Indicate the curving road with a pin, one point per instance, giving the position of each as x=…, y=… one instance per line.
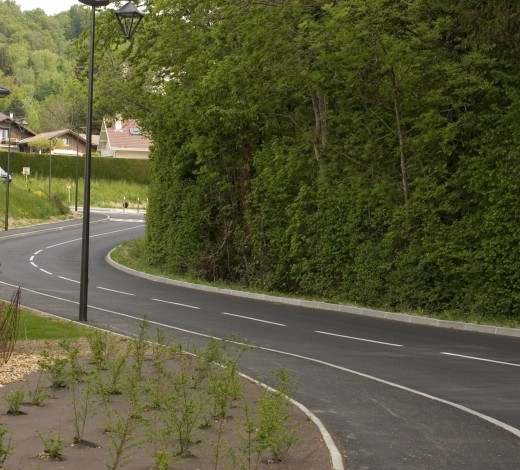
x=393, y=395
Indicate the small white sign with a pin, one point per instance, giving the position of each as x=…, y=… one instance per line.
x=26, y=171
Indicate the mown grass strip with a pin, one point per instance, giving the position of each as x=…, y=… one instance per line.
x=39, y=327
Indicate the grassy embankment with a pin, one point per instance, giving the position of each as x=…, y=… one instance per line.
x=31, y=203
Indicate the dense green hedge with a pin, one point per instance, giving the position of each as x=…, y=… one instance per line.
x=62, y=166
x=379, y=165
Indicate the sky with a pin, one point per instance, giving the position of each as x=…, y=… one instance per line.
x=51, y=7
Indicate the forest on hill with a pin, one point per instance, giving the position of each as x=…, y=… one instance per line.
x=364, y=151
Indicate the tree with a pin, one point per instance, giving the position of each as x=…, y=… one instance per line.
x=44, y=144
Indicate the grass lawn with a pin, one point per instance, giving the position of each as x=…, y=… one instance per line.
x=40, y=327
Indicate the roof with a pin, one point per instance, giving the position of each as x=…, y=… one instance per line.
x=50, y=135
x=60, y=133
x=95, y=138
x=19, y=122
x=126, y=135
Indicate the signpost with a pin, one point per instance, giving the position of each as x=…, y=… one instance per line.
x=26, y=171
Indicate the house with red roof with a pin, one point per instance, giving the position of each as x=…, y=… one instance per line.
x=123, y=139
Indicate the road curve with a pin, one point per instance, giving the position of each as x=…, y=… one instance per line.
x=369, y=380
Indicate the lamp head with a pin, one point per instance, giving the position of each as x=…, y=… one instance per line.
x=95, y=3
x=129, y=18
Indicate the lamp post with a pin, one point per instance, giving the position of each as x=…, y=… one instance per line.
x=129, y=18
x=3, y=93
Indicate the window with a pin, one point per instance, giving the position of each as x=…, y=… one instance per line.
x=66, y=141
x=4, y=136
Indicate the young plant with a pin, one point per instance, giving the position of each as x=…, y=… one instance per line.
x=102, y=345
x=37, y=395
x=52, y=446
x=82, y=404
x=207, y=358
x=183, y=406
x=218, y=443
x=138, y=347
x=273, y=433
x=121, y=427
x=5, y=448
x=9, y=325
x=110, y=382
x=14, y=401
x=56, y=366
x=220, y=394
x=248, y=445
x=74, y=371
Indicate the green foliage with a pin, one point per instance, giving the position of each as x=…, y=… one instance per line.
x=342, y=150
x=33, y=326
x=63, y=166
x=273, y=433
x=36, y=65
x=52, y=445
x=43, y=144
x=14, y=401
x=5, y=447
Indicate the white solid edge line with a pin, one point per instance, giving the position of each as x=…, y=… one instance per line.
x=335, y=455
x=489, y=419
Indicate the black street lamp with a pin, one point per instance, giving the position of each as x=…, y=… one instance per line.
x=3, y=93
x=129, y=17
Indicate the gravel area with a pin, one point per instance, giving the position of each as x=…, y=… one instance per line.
x=25, y=359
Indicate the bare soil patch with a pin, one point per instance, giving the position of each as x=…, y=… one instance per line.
x=147, y=398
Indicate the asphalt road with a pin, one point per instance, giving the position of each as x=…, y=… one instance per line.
x=392, y=395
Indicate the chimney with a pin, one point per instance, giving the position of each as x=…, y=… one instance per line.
x=119, y=125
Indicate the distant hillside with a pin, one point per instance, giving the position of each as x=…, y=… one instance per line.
x=37, y=63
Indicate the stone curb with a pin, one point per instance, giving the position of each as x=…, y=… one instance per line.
x=402, y=317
